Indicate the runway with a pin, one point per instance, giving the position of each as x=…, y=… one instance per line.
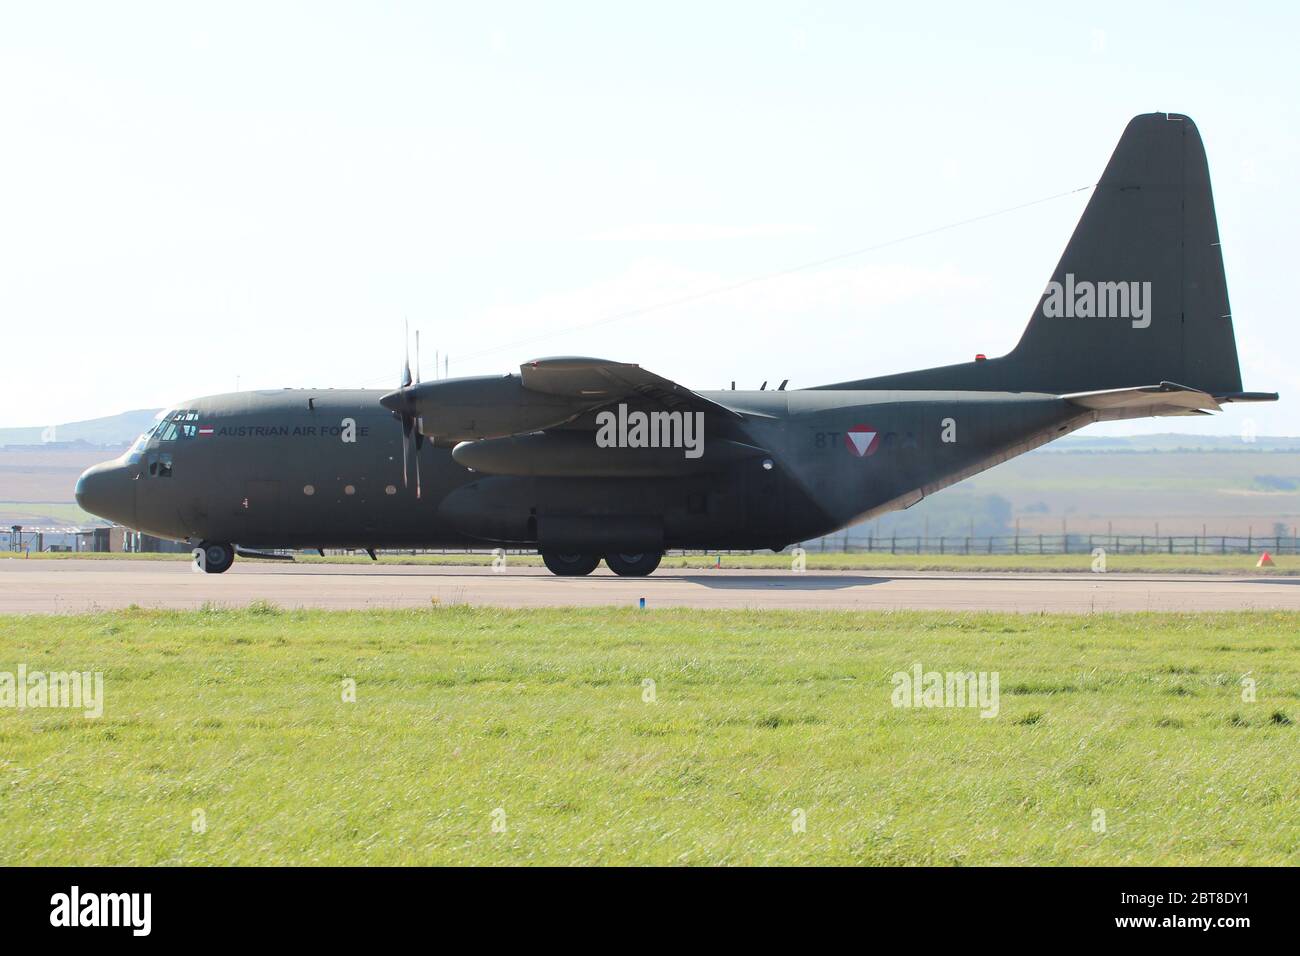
x=71, y=586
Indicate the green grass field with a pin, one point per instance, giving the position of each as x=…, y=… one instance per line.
x=461, y=712
x=1286, y=565
x=43, y=512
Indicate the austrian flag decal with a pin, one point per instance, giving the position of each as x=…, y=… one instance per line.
x=863, y=440
x=205, y=430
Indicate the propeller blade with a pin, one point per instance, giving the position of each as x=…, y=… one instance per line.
x=417, y=466
x=402, y=410
x=406, y=440
x=417, y=356
x=406, y=362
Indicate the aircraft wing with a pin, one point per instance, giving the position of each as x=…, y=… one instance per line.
x=547, y=393
x=600, y=381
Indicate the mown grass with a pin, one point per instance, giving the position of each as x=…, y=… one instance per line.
x=462, y=711
x=30, y=512
x=1285, y=565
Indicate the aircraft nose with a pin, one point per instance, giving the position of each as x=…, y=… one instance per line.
x=106, y=490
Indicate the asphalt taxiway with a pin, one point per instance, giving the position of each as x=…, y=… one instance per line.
x=70, y=586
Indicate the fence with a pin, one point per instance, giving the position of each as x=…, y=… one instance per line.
x=79, y=540
x=1058, y=544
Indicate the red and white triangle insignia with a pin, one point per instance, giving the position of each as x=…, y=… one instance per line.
x=863, y=440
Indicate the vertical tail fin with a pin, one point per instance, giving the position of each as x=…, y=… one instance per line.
x=1139, y=296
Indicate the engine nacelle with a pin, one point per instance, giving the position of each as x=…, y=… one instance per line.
x=487, y=406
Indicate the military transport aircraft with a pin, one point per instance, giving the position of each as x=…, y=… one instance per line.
x=586, y=459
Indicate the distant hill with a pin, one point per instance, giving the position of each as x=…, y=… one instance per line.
x=1183, y=484
x=1169, y=442
x=114, y=430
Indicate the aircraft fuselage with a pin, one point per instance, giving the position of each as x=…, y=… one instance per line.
x=323, y=468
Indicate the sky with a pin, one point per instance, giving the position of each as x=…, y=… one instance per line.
x=199, y=198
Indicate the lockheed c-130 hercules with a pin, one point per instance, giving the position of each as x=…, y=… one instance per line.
x=585, y=459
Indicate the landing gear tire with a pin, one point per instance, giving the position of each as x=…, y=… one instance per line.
x=633, y=565
x=570, y=565
x=216, y=556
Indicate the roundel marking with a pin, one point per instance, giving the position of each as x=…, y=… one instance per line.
x=862, y=440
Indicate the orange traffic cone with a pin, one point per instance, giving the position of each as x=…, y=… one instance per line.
x=1265, y=561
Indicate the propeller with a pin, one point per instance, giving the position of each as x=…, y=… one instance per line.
x=402, y=403
x=418, y=422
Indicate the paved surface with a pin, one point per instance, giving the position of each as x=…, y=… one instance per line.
x=70, y=586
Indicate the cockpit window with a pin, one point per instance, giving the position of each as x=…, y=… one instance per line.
x=182, y=423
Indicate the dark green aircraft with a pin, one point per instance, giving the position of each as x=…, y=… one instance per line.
x=586, y=459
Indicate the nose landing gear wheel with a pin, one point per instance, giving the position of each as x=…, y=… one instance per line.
x=216, y=556
x=570, y=565
x=633, y=565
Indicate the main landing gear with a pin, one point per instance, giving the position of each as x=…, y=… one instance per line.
x=635, y=565
x=216, y=556
x=570, y=565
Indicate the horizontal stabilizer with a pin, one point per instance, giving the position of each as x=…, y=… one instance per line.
x=1166, y=398
x=1247, y=397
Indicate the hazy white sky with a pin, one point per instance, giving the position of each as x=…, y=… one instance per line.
x=194, y=195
